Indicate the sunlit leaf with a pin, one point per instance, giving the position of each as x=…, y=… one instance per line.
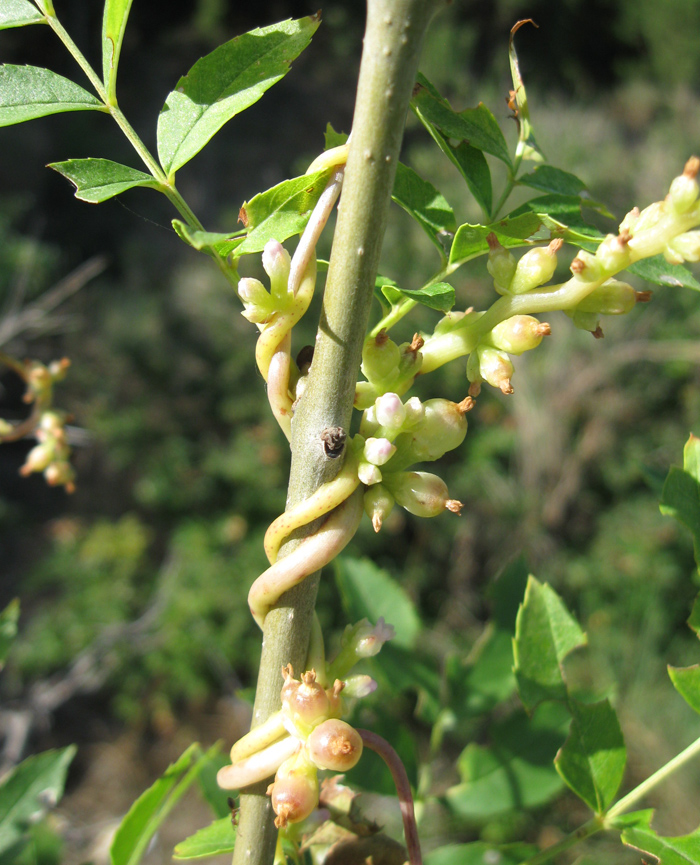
x=8, y=628
x=29, y=791
x=476, y=126
x=470, y=240
x=225, y=82
x=686, y=680
x=17, y=13
x=656, y=269
x=148, y=812
x=424, y=203
x=219, y=837
x=114, y=20
x=481, y=853
x=370, y=592
x=97, y=180
x=546, y=178
x=28, y=92
x=545, y=634
x=280, y=212
x=592, y=760
x=220, y=243
x=681, y=494
x=439, y=296
x=681, y=850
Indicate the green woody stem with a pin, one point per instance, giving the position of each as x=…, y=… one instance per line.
x=393, y=40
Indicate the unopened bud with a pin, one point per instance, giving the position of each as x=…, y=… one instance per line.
x=389, y=411
x=256, y=299
x=519, y=333
x=411, y=357
x=380, y=358
x=368, y=473
x=443, y=428
x=334, y=745
x=648, y=218
x=492, y=366
x=684, y=188
x=613, y=297
x=38, y=458
x=359, y=686
x=421, y=493
x=276, y=262
x=587, y=267
x=378, y=503
x=686, y=246
x=294, y=793
x=613, y=252
x=378, y=451
x=304, y=703
x=535, y=268
x=60, y=474
x=501, y=265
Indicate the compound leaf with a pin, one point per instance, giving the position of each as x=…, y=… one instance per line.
x=225, y=82
x=28, y=92
x=97, y=180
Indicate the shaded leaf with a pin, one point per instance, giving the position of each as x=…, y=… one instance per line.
x=424, y=203
x=225, y=82
x=546, y=178
x=686, y=680
x=402, y=670
x=28, y=92
x=506, y=592
x=29, y=791
x=681, y=495
x=17, y=13
x=8, y=628
x=476, y=126
x=220, y=243
x=486, y=678
x=218, y=837
x=656, y=269
x=481, y=853
x=516, y=772
x=97, y=180
x=681, y=850
x=545, y=634
x=148, y=812
x=472, y=165
x=694, y=617
x=370, y=592
x=282, y=211
x=592, y=760
x=470, y=240
x=215, y=796
x=114, y=20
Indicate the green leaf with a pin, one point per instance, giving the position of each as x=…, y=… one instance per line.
x=215, y=796
x=219, y=243
x=472, y=165
x=97, y=180
x=657, y=270
x=481, y=853
x=545, y=634
x=476, y=126
x=225, y=82
x=218, y=837
x=470, y=240
x=280, y=212
x=681, y=850
x=333, y=138
x=114, y=20
x=8, y=628
x=694, y=617
x=17, y=13
x=424, y=203
x=527, y=146
x=681, y=495
x=506, y=592
x=369, y=592
x=686, y=680
x=28, y=92
x=691, y=457
x=485, y=678
x=439, y=295
x=29, y=791
x=152, y=807
x=401, y=670
x=592, y=760
x=546, y=178
x=516, y=772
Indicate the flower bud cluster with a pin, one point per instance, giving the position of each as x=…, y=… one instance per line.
x=51, y=454
x=307, y=734
x=534, y=268
x=259, y=303
x=397, y=435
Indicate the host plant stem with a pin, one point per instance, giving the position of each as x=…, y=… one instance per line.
x=393, y=40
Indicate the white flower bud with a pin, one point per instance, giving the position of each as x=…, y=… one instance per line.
x=390, y=411
x=378, y=451
x=369, y=474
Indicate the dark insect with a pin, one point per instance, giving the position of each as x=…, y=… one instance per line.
x=234, y=811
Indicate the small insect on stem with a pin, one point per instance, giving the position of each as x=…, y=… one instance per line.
x=333, y=440
x=234, y=810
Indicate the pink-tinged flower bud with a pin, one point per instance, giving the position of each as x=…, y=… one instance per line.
x=535, y=268
x=378, y=502
x=359, y=686
x=256, y=299
x=685, y=246
x=276, y=263
x=380, y=358
x=519, y=333
x=613, y=297
x=38, y=458
x=390, y=412
x=501, y=265
x=421, y=493
x=490, y=365
x=369, y=640
x=368, y=473
x=294, y=793
x=304, y=703
x=334, y=745
x=684, y=189
x=378, y=450
x=613, y=252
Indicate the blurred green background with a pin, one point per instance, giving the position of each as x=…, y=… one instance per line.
x=143, y=573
